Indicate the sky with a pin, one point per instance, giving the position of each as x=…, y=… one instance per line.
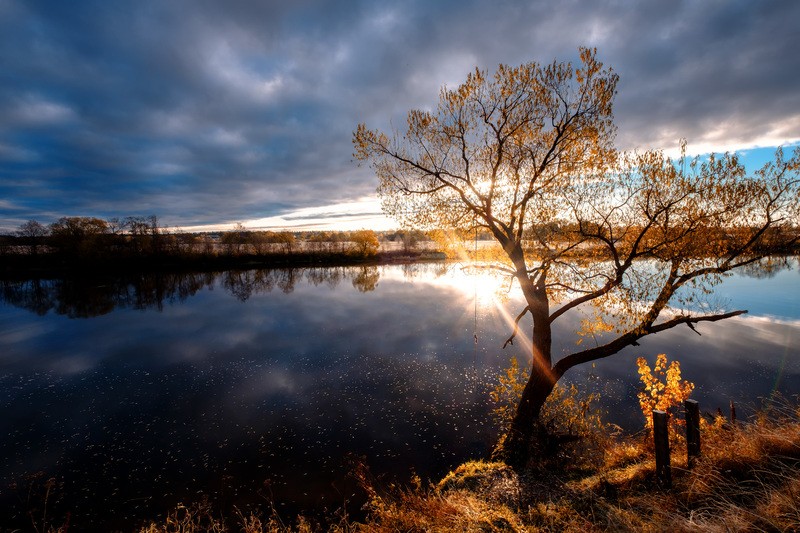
x=208, y=113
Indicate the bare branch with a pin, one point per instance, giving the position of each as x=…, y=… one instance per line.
x=630, y=338
x=510, y=340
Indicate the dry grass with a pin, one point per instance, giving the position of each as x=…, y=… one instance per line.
x=200, y=518
x=748, y=479
x=195, y=518
x=749, y=476
x=458, y=510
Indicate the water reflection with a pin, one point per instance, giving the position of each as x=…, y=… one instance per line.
x=366, y=279
x=91, y=297
x=218, y=382
x=768, y=267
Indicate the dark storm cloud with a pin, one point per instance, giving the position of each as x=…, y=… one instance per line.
x=210, y=112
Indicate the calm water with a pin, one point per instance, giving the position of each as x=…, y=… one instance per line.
x=259, y=386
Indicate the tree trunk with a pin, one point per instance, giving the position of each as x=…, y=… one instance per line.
x=525, y=429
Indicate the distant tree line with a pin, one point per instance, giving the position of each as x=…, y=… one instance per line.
x=80, y=240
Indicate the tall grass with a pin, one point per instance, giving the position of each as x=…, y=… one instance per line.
x=748, y=479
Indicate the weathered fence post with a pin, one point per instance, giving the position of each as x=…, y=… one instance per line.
x=661, y=438
x=692, y=431
x=733, y=413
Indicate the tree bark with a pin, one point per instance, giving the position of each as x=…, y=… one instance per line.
x=525, y=430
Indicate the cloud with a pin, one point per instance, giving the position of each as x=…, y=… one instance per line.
x=16, y=154
x=34, y=111
x=360, y=214
x=208, y=113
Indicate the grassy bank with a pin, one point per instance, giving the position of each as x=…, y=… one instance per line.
x=748, y=479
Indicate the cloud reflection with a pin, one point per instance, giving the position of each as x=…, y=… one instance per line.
x=201, y=389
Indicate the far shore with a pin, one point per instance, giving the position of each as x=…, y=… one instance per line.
x=51, y=265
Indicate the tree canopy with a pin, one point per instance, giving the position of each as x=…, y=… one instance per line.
x=633, y=239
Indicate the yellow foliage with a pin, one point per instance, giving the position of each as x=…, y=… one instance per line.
x=566, y=411
x=506, y=394
x=593, y=326
x=663, y=389
x=448, y=242
x=365, y=243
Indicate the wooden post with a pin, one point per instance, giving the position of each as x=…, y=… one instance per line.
x=692, y=431
x=661, y=438
x=733, y=413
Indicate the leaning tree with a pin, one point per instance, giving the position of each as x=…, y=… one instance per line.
x=634, y=240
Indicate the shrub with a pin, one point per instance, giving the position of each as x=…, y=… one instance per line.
x=663, y=389
x=571, y=420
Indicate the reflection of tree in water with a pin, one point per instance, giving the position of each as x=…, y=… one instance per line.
x=366, y=278
x=88, y=297
x=335, y=277
x=287, y=278
x=410, y=270
x=414, y=270
x=766, y=268
x=33, y=295
x=242, y=283
x=83, y=300
x=245, y=283
x=331, y=276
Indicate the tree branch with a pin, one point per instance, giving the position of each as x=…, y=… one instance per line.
x=510, y=340
x=630, y=338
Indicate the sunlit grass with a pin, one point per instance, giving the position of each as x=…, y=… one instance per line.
x=748, y=479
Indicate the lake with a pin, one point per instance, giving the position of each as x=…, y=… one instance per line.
x=256, y=387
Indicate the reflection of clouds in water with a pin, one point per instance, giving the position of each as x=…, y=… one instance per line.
x=73, y=364
x=424, y=311
x=741, y=359
x=18, y=333
x=772, y=330
x=282, y=386
x=738, y=341
x=268, y=382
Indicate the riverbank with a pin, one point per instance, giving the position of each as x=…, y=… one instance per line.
x=748, y=479
x=47, y=266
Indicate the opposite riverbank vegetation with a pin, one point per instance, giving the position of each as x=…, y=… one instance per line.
x=89, y=244
x=139, y=244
